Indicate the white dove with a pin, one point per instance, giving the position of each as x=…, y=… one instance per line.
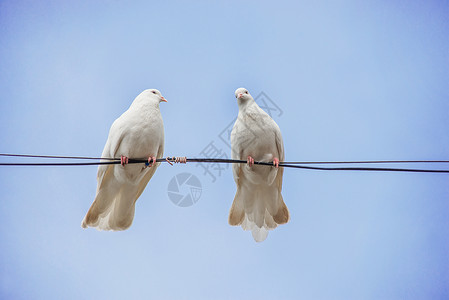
x=137, y=133
x=258, y=205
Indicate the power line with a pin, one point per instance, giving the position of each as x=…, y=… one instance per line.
x=230, y=160
x=57, y=156
x=367, y=162
x=368, y=169
x=298, y=165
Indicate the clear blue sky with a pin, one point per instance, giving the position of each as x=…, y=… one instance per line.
x=354, y=80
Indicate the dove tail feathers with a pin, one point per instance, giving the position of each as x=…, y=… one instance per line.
x=122, y=215
x=258, y=209
x=112, y=214
x=99, y=210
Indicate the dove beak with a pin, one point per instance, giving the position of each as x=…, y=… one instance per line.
x=239, y=96
x=163, y=99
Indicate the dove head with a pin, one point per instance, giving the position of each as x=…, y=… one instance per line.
x=242, y=94
x=155, y=94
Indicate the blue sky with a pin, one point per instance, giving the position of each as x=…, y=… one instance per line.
x=354, y=80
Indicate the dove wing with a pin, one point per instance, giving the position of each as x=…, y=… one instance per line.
x=107, y=185
x=143, y=183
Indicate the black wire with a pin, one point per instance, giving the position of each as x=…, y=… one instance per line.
x=57, y=156
x=60, y=164
x=366, y=162
x=230, y=160
x=220, y=160
x=367, y=169
x=289, y=165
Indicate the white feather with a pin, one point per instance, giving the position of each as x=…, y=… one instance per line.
x=137, y=133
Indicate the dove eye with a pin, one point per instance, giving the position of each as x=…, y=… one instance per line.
x=154, y=92
x=246, y=92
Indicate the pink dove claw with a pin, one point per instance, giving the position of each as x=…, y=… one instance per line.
x=276, y=162
x=123, y=160
x=250, y=161
x=151, y=161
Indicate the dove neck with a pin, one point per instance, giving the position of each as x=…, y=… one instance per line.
x=144, y=104
x=245, y=104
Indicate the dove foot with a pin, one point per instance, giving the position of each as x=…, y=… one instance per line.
x=250, y=161
x=151, y=161
x=123, y=160
x=276, y=162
